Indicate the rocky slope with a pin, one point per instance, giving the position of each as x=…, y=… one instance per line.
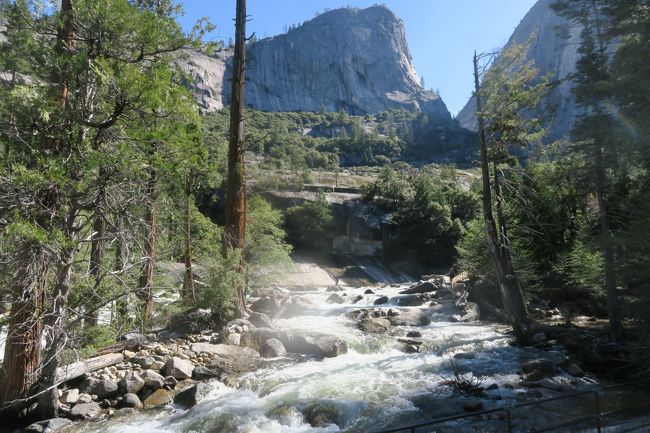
x=554, y=44
x=351, y=59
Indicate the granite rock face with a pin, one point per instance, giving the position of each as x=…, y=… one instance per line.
x=352, y=59
x=554, y=43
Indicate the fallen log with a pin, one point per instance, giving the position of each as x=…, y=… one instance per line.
x=78, y=369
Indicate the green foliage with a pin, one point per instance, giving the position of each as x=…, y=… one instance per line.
x=582, y=266
x=298, y=140
x=218, y=294
x=390, y=190
x=429, y=208
x=97, y=337
x=266, y=252
x=473, y=255
x=309, y=224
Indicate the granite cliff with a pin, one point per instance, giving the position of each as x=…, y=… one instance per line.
x=352, y=59
x=554, y=43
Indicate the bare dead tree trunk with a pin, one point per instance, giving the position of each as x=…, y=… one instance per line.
x=613, y=309
x=511, y=294
x=22, y=355
x=145, y=283
x=189, y=294
x=235, y=224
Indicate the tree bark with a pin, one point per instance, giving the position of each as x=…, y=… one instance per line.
x=613, y=310
x=98, y=243
x=122, y=304
x=235, y=219
x=48, y=400
x=145, y=283
x=22, y=355
x=189, y=294
x=67, y=43
x=511, y=294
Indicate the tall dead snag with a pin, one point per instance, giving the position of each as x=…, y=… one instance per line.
x=511, y=293
x=22, y=355
x=235, y=224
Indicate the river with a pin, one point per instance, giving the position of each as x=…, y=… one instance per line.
x=373, y=386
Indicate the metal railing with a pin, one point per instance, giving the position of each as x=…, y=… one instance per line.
x=600, y=420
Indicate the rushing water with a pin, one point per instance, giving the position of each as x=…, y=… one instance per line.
x=373, y=386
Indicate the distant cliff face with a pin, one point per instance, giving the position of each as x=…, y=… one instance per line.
x=553, y=50
x=351, y=59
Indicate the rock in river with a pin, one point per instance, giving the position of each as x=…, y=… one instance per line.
x=374, y=325
x=411, y=318
x=314, y=344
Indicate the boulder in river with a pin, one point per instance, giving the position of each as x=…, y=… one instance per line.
x=545, y=366
x=191, y=396
x=411, y=318
x=314, y=344
x=228, y=359
x=255, y=339
x=131, y=383
x=335, y=298
x=204, y=373
x=273, y=348
x=407, y=301
x=178, y=368
x=131, y=400
x=159, y=398
x=260, y=320
x=85, y=411
x=374, y=325
x=423, y=287
x=48, y=426
x=70, y=396
x=381, y=300
x=152, y=379
x=102, y=388
x=267, y=305
x=322, y=414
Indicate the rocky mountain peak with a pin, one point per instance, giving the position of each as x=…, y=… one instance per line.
x=352, y=59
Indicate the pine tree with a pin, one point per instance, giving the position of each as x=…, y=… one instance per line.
x=595, y=131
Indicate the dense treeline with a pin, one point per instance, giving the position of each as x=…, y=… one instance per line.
x=297, y=140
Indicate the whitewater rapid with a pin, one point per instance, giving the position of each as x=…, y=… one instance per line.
x=373, y=386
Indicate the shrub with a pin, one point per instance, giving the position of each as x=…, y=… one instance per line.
x=309, y=224
x=219, y=291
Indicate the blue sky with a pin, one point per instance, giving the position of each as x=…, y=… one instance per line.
x=442, y=34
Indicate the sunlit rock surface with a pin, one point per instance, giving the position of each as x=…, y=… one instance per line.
x=351, y=59
x=553, y=48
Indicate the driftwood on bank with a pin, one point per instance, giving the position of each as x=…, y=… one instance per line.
x=78, y=369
